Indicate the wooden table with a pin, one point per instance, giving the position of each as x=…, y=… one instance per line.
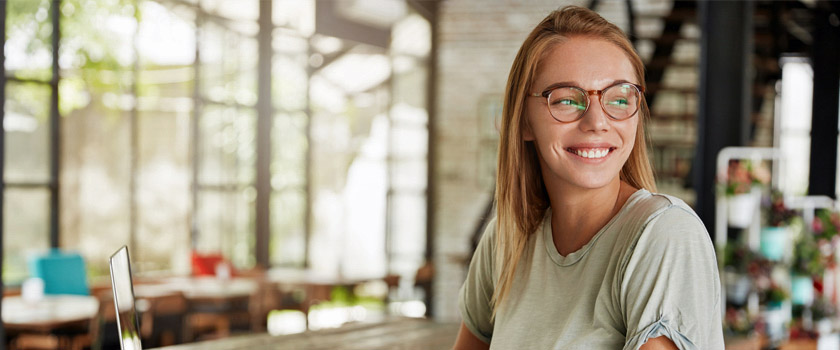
x=49, y=313
x=209, y=288
x=403, y=333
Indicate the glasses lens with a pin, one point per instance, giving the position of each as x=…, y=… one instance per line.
x=567, y=103
x=621, y=101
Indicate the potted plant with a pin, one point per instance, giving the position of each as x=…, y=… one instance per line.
x=776, y=312
x=738, y=262
x=775, y=233
x=741, y=202
x=807, y=264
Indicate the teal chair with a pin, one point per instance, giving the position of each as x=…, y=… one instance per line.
x=62, y=272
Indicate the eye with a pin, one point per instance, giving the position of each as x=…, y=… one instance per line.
x=619, y=102
x=569, y=102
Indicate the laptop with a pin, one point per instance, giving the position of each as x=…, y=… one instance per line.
x=127, y=318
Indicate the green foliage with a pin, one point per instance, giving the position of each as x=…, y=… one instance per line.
x=826, y=224
x=776, y=213
x=807, y=259
x=775, y=295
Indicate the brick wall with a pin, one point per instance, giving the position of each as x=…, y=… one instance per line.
x=478, y=40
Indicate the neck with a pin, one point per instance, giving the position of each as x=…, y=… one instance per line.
x=577, y=214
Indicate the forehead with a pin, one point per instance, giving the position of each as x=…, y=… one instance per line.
x=589, y=63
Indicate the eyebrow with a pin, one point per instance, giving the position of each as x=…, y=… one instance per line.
x=574, y=84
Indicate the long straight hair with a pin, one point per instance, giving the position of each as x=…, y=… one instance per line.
x=521, y=197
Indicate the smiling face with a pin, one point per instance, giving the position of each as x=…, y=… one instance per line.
x=589, y=152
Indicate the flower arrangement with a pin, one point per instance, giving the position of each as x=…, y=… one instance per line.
x=826, y=224
x=774, y=295
x=742, y=175
x=739, y=258
x=807, y=258
x=776, y=213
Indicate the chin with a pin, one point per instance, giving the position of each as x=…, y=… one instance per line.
x=593, y=183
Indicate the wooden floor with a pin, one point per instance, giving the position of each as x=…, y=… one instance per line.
x=406, y=334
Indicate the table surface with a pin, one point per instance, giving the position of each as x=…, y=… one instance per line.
x=415, y=334
x=48, y=313
x=200, y=287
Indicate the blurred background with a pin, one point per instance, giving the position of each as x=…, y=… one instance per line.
x=351, y=145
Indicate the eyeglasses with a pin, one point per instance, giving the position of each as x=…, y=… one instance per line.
x=568, y=103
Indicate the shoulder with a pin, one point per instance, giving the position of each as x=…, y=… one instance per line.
x=658, y=222
x=488, y=237
x=660, y=213
x=675, y=220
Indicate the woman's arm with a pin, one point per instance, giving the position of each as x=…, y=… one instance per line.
x=467, y=341
x=659, y=343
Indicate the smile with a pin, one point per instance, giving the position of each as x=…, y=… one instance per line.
x=591, y=153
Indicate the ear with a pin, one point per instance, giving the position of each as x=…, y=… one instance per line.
x=527, y=132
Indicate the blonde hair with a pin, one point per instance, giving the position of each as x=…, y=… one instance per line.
x=521, y=198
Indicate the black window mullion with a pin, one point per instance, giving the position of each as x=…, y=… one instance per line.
x=263, y=137
x=2, y=150
x=55, y=128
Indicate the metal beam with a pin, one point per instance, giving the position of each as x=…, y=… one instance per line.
x=329, y=22
x=195, y=131
x=2, y=151
x=55, y=129
x=431, y=158
x=134, y=148
x=264, y=119
x=724, y=93
x=825, y=58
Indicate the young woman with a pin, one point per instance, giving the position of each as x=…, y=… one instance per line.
x=582, y=254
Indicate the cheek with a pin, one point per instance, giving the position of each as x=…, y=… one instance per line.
x=533, y=127
x=628, y=132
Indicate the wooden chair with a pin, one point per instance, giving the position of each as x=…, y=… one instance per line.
x=163, y=323
x=89, y=337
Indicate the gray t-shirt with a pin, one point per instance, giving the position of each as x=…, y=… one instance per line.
x=650, y=271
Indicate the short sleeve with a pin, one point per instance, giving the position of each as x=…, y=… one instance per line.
x=671, y=285
x=475, y=295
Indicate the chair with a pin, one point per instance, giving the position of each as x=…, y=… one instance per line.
x=88, y=337
x=207, y=264
x=62, y=272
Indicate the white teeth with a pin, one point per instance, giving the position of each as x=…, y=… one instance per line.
x=595, y=153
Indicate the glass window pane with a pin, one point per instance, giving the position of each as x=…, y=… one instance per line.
x=410, y=87
x=227, y=145
x=248, y=10
x=226, y=224
x=290, y=83
x=26, y=224
x=288, y=235
x=409, y=142
x=407, y=232
x=95, y=177
x=228, y=66
x=409, y=174
x=289, y=42
x=298, y=15
x=26, y=123
x=29, y=39
x=166, y=37
x=412, y=36
x=163, y=197
x=288, y=168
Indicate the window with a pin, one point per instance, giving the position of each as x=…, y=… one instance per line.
x=158, y=110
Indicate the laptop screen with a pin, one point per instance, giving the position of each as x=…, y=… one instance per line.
x=127, y=323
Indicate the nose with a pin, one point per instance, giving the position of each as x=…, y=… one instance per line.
x=594, y=119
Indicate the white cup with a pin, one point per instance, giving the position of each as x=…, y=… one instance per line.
x=32, y=289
